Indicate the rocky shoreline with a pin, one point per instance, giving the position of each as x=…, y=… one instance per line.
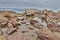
x=30, y=25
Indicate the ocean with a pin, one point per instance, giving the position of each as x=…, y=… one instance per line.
x=12, y=9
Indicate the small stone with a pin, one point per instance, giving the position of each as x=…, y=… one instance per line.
x=31, y=27
x=33, y=22
x=3, y=24
x=9, y=25
x=24, y=31
x=37, y=25
x=11, y=30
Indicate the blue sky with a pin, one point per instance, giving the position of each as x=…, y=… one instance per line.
x=50, y=4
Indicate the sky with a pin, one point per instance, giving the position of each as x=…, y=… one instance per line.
x=49, y=4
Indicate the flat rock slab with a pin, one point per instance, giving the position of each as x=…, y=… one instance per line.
x=3, y=38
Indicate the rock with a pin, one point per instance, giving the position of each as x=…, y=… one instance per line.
x=4, y=31
x=11, y=30
x=44, y=24
x=3, y=38
x=58, y=23
x=33, y=22
x=9, y=25
x=30, y=11
x=13, y=23
x=45, y=34
x=57, y=34
x=24, y=31
x=19, y=36
x=27, y=23
x=0, y=31
x=31, y=27
x=3, y=24
x=37, y=19
x=21, y=18
x=54, y=27
x=37, y=25
x=23, y=22
x=31, y=35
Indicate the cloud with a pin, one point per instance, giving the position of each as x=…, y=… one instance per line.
x=50, y=4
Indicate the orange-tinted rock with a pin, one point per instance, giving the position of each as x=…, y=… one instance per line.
x=45, y=34
x=3, y=38
x=54, y=27
x=3, y=24
x=31, y=27
x=33, y=22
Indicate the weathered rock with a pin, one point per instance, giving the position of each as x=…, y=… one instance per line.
x=0, y=31
x=27, y=24
x=31, y=27
x=3, y=38
x=24, y=31
x=31, y=35
x=33, y=22
x=37, y=25
x=57, y=34
x=4, y=24
x=9, y=25
x=54, y=27
x=45, y=34
x=30, y=11
x=4, y=31
x=11, y=30
x=44, y=24
x=37, y=19
x=19, y=36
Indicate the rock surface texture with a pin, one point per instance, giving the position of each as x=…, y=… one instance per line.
x=32, y=25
